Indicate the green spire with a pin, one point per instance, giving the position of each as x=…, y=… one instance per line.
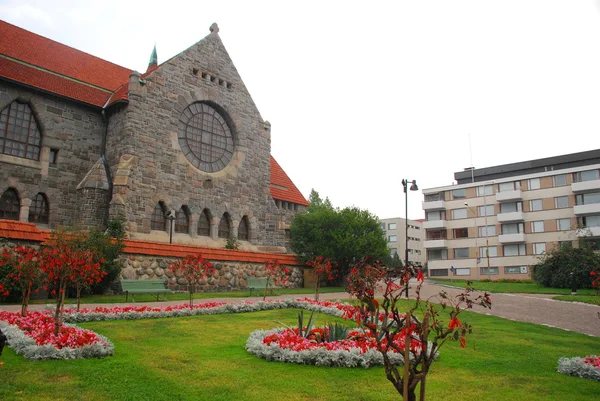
x=153, y=58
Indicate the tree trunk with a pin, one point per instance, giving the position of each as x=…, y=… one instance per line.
x=422, y=395
x=405, y=380
x=78, y=288
x=266, y=286
x=60, y=300
x=25, y=301
x=191, y=296
x=317, y=290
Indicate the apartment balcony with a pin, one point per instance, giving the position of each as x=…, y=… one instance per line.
x=586, y=186
x=510, y=217
x=592, y=208
x=433, y=224
x=435, y=243
x=511, y=238
x=588, y=232
x=434, y=205
x=509, y=196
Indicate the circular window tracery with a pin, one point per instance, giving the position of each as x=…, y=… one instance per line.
x=205, y=137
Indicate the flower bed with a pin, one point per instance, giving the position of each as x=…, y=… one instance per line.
x=588, y=367
x=33, y=337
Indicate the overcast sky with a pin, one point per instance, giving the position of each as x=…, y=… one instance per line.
x=361, y=94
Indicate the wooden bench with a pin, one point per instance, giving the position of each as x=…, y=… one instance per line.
x=258, y=283
x=152, y=287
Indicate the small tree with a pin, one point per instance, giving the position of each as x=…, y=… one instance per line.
x=560, y=265
x=194, y=268
x=407, y=333
x=277, y=273
x=63, y=263
x=323, y=269
x=23, y=274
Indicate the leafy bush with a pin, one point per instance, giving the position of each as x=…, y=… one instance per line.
x=556, y=266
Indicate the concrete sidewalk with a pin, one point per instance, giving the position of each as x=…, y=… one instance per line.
x=532, y=308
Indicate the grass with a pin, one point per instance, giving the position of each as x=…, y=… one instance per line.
x=184, y=296
x=588, y=299
x=514, y=288
x=203, y=358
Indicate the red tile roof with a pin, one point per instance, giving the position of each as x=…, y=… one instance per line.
x=282, y=187
x=18, y=230
x=36, y=61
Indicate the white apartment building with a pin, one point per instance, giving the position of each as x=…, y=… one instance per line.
x=395, y=234
x=496, y=222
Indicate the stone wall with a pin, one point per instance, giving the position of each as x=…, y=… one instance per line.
x=228, y=275
x=75, y=131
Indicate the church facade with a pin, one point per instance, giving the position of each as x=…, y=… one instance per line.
x=180, y=152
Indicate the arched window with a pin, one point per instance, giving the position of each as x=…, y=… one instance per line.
x=10, y=205
x=204, y=223
x=182, y=223
x=243, y=229
x=38, y=211
x=158, y=220
x=225, y=226
x=19, y=133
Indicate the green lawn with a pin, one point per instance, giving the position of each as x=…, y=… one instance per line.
x=588, y=299
x=203, y=358
x=519, y=288
x=184, y=296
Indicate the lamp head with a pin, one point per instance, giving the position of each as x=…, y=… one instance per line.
x=414, y=187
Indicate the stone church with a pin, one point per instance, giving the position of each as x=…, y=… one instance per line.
x=179, y=151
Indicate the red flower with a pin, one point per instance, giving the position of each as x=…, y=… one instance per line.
x=420, y=276
x=454, y=323
x=463, y=342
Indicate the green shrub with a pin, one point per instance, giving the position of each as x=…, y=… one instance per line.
x=555, y=267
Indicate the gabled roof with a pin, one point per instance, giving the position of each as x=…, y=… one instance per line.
x=282, y=187
x=41, y=63
x=57, y=68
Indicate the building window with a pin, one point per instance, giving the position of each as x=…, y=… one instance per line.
x=437, y=215
x=515, y=270
x=459, y=193
x=587, y=199
x=392, y=238
x=391, y=226
x=514, y=250
x=434, y=197
x=438, y=272
x=204, y=223
x=563, y=224
x=485, y=210
x=205, y=138
x=534, y=183
x=485, y=190
x=39, y=210
x=537, y=226
x=461, y=253
x=509, y=186
x=53, y=157
x=535, y=205
x=158, y=220
x=589, y=175
x=565, y=244
x=591, y=221
x=488, y=231
x=437, y=254
x=511, y=207
x=10, y=205
x=393, y=252
x=462, y=271
x=594, y=243
x=483, y=251
x=559, y=180
x=539, y=248
x=513, y=228
x=461, y=232
x=182, y=221
x=459, y=213
x=561, y=202
x=243, y=229
x=433, y=235
x=492, y=270
x=225, y=226
x=19, y=133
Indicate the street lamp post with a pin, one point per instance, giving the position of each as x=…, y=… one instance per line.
x=476, y=233
x=413, y=187
x=171, y=216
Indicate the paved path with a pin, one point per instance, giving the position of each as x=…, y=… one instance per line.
x=532, y=308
